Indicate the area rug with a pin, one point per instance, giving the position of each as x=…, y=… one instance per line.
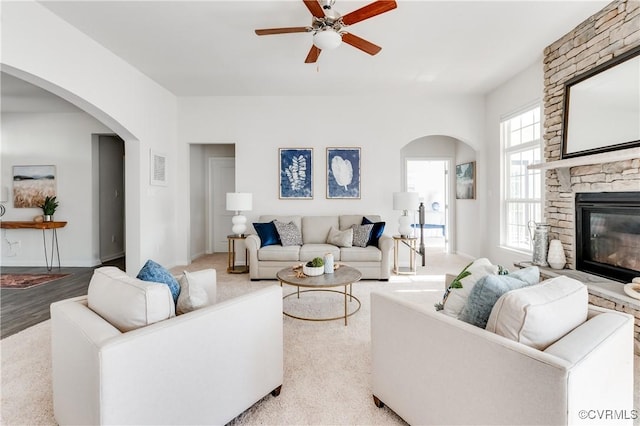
x=27, y=280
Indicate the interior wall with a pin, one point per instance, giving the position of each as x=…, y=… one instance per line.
x=42, y=49
x=63, y=140
x=379, y=126
x=525, y=89
x=197, y=189
x=467, y=236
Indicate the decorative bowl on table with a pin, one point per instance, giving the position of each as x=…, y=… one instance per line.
x=312, y=271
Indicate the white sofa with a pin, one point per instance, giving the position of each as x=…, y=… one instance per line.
x=431, y=368
x=373, y=262
x=203, y=367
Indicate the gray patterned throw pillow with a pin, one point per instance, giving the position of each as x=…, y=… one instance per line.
x=361, y=234
x=289, y=233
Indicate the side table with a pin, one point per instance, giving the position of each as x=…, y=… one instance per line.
x=411, y=243
x=231, y=267
x=53, y=225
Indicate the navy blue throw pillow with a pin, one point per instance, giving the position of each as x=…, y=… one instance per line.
x=268, y=234
x=376, y=232
x=154, y=272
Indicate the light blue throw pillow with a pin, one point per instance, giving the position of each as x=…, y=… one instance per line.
x=488, y=290
x=152, y=271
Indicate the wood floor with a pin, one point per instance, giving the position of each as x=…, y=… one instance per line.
x=22, y=308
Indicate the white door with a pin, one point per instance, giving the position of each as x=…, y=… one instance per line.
x=222, y=179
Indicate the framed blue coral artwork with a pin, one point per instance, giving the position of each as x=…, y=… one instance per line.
x=296, y=177
x=343, y=173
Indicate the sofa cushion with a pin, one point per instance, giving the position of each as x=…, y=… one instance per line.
x=310, y=251
x=360, y=254
x=376, y=231
x=286, y=219
x=315, y=229
x=540, y=314
x=192, y=292
x=278, y=252
x=289, y=233
x=361, y=234
x=488, y=290
x=348, y=220
x=152, y=271
x=340, y=238
x=128, y=303
x=456, y=298
x=268, y=233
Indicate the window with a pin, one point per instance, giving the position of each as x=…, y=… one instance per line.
x=522, y=187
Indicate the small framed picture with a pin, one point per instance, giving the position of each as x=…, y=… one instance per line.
x=296, y=173
x=466, y=181
x=158, y=169
x=32, y=184
x=343, y=173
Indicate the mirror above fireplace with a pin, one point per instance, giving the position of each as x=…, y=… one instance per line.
x=602, y=108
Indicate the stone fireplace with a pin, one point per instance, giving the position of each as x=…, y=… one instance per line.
x=607, y=34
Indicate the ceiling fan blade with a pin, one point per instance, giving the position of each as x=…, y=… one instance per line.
x=369, y=11
x=360, y=43
x=269, y=31
x=313, y=55
x=314, y=7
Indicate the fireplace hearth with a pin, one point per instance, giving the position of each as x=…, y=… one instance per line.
x=608, y=234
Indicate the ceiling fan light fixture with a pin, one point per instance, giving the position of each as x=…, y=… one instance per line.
x=327, y=39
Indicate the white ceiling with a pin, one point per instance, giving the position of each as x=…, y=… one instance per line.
x=204, y=48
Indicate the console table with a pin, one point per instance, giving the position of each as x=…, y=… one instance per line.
x=44, y=226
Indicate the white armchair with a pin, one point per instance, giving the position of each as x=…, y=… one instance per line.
x=434, y=369
x=202, y=367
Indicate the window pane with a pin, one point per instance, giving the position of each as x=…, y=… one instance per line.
x=522, y=187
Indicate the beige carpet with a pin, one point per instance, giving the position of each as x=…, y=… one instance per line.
x=327, y=365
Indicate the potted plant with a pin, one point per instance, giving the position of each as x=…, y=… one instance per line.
x=49, y=206
x=314, y=267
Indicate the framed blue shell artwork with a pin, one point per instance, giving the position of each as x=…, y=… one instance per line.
x=296, y=173
x=343, y=173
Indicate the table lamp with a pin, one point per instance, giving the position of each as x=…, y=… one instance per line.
x=239, y=202
x=405, y=201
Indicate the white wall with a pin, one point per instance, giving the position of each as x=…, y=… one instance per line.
x=63, y=140
x=469, y=237
x=522, y=90
x=42, y=49
x=380, y=126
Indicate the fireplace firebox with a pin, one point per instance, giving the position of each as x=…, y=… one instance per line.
x=608, y=234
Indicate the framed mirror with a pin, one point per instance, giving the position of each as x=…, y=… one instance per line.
x=602, y=107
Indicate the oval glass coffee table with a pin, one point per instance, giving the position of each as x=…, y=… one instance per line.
x=344, y=276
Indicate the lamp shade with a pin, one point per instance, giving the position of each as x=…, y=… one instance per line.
x=4, y=194
x=327, y=39
x=239, y=201
x=405, y=200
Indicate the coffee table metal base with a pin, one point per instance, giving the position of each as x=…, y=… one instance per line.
x=347, y=295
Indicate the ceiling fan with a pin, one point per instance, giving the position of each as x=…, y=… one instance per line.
x=329, y=28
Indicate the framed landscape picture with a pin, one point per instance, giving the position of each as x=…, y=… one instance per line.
x=466, y=181
x=32, y=184
x=296, y=177
x=343, y=173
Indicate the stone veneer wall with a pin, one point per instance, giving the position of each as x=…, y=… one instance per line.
x=607, y=34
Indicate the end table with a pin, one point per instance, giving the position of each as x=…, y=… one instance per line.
x=232, y=268
x=411, y=243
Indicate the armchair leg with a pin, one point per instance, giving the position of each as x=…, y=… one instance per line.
x=276, y=391
x=377, y=401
